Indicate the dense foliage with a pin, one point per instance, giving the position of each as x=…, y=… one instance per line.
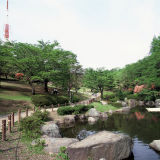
x=47, y=100
x=30, y=126
x=73, y=110
x=47, y=62
x=41, y=63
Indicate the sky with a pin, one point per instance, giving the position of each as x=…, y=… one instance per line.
x=102, y=33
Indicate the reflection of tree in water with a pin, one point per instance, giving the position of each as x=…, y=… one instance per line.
x=146, y=129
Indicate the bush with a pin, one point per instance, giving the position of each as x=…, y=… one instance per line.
x=30, y=126
x=62, y=155
x=41, y=100
x=148, y=95
x=62, y=99
x=82, y=108
x=118, y=105
x=115, y=99
x=76, y=110
x=120, y=95
x=75, y=98
x=132, y=96
x=109, y=95
x=65, y=110
x=41, y=115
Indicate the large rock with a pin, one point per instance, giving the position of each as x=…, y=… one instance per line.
x=103, y=115
x=132, y=103
x=92, y=119
x=102, y=145
x=155, y=145
x=157, y=103
x=124, y=104
x=53, y=144
x=150, y=103
x=93, y=113
x=69, y=119
x=51, y=129
x=141, y=103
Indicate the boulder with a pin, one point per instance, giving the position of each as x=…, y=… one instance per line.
x=124, y=104
x=157, y=103
x=132, y=103
x=150, y=103
x=126, y=109
x=53, y=144
x=104, y=102
x=102, y=145
x=92, y=119
x=141, y=103
x=126, y=100
x=93, y=113
x=103, y=115
x=69, y=119
x=51, y=129
x=110, y=111
x=155, y=145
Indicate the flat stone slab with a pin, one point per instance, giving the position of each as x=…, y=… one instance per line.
x=153, y=109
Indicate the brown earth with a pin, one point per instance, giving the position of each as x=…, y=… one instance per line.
x=15, y=149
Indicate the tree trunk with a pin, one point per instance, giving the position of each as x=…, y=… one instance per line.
x=101, y=90
x=33, y=88
x=6, y=76
x=46, y=85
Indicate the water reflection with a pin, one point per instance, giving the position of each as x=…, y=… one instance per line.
x=142, y=126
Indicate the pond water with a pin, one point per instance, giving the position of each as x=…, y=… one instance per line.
x=142, y=126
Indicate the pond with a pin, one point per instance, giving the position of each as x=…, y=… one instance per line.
x=142, y=126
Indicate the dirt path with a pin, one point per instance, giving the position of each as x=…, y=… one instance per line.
x=23, y=114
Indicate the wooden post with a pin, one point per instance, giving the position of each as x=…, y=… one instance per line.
x=19, y=115
x=26, y=112
x=52, y=107
x=58, y=105
x=9, y=123
x=34, y=109
x=39, y=107
x=12, y=119
x=3, y=130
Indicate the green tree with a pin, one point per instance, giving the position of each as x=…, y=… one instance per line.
x=97, y=79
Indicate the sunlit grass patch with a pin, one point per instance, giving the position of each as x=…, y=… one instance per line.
x=104, y=108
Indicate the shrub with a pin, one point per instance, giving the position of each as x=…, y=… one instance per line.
x=62, y=99
x=82, y=108
x=41, y=100
x=75, y=98
x=41, y=115
x=30, y=126
x=65, y=110
x=108, y=95
x=148, y=95
x=118, y=105
x=115, y=99
x=76, y=110
x=62, y=155
x=120, y=95
x=132, y=96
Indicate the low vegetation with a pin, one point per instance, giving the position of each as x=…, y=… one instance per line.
x=105, y=108
x=74, y=110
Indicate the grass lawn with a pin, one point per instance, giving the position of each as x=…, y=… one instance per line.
x=15, y=95
x=104, y=108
